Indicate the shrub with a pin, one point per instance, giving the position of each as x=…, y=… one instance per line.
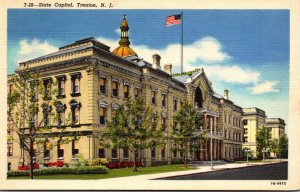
x=80, y=161
x=98, y=162
x=61, y=171
x=177, y=161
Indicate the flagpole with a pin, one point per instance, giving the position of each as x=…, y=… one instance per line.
x=181, y=42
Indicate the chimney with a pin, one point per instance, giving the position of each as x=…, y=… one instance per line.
x=168, y=68
x=156, y=61
x=226, y=92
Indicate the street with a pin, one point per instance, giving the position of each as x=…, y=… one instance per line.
x=276, y=171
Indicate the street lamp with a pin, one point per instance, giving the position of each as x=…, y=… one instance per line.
x=264, y=151
x=247, y=151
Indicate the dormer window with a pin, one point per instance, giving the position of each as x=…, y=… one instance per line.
x=75, y=84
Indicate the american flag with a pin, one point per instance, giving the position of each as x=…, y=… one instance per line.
x=173, y=20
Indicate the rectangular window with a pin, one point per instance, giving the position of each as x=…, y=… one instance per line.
x=75, y=116
x=115, y=88
x=75, y=147
x=125, y=153
x=164, y=123
x=9, y=150
x=181, y=151
x=137, y=92
x=102, y=118
x=163, y=153
x=60, y=150
x=153, y=97
x=47, y=150
x=114, y=154
x=101, y=153
x=126, y=91
x=76, y=86
x=61, y=88
x=245, y=139
x=153, y=153
x=47, y=89
x=175, y=125
x=102, y=85
x=61, y=119
x=175, y=102
x=164, y=100
x=174, y=151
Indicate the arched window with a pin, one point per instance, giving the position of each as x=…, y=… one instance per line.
x=198, y=98
x=102, y=112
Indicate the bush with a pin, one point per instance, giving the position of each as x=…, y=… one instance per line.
x=61, y=171
x=177, y=161
x=98, y=162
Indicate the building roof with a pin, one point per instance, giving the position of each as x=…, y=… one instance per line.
x=124, y=51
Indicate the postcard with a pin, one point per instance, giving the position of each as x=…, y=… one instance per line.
x=137, y=95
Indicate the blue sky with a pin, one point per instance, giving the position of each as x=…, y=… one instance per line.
x=245, y=51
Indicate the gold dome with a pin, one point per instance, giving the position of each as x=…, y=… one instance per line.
x=124, y=51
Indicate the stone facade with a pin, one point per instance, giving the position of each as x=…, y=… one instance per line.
x=94, y=81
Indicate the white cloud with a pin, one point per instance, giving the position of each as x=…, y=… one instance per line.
x=35, y=48
x=265, y=87
x=232, y=74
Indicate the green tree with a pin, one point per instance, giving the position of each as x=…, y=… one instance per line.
x=134, y=127
x=188, y=134
x=283, y=146
x=263, y=138
x=274, y=147
x=23, y=108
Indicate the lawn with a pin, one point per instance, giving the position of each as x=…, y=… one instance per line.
x=117, y=173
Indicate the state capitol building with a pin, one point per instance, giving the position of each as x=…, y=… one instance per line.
x=94, y=81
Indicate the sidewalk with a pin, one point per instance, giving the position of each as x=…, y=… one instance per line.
x=200, y=168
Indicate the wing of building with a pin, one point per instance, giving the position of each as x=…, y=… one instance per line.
x=93, y=81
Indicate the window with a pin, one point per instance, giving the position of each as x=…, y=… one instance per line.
x=34, y=91
x=60, y=150
x=9, y=150
x=75, y=108
x=102, y=85
x=181, y=151
x=153, y=97
x=101, y=152
x=174, y=151
x=175, y=102
x=115, y=88
x=125, y=153
x=75, y=147
x=164, y=100
x=46, y=114
x=60, y=110
x=75, y=84
x=175, y=126
x=245, y=139
x=102, y=115
x=163, y=153
x=164, y=123
x=126, y=90
x=47, y=88
x=61, y=82
x=114, y=154
x=137, y=92
x=47, y=150
x=153, y=153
